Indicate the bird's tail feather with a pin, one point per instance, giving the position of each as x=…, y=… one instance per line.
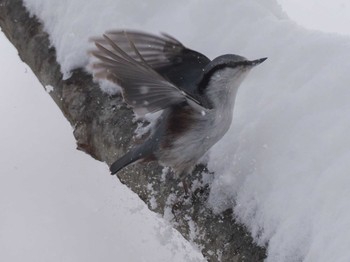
x=121, y=163
x=129, y=158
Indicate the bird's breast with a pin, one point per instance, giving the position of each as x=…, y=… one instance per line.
x=189, y=135
x=189, y=128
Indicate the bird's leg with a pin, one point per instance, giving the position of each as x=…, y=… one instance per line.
x=185, y=185
x=180, y=201
x=183, y=175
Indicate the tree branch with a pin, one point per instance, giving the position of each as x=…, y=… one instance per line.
x=102, y=128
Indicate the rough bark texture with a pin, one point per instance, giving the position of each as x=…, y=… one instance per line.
x=100, y=121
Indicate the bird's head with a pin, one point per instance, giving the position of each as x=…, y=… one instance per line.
x=225, y=73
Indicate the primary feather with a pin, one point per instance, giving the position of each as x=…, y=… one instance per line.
x=143, y=65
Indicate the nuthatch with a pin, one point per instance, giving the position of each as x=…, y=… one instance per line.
x=196, y=95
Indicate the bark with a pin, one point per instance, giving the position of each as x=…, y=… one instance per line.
x=103, y=128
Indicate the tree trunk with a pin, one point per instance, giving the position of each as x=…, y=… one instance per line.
x=103, y=128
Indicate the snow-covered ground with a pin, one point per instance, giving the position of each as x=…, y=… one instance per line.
x=283, y=165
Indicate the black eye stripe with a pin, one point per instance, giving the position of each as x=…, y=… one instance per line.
x=203, y=84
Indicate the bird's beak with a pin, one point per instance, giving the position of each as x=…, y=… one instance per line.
x=257, y=61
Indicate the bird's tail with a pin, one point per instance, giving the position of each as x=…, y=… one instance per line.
x=132, y=156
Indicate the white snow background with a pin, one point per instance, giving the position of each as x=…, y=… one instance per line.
x=283, y=165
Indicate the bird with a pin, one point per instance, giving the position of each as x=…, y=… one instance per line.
x=195, y=95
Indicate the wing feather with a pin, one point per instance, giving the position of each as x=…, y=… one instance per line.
x=130, y=65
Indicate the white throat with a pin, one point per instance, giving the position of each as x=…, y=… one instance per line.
x=223, y=86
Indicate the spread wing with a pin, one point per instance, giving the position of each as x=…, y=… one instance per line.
x=135, y=60
x=164, y=54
